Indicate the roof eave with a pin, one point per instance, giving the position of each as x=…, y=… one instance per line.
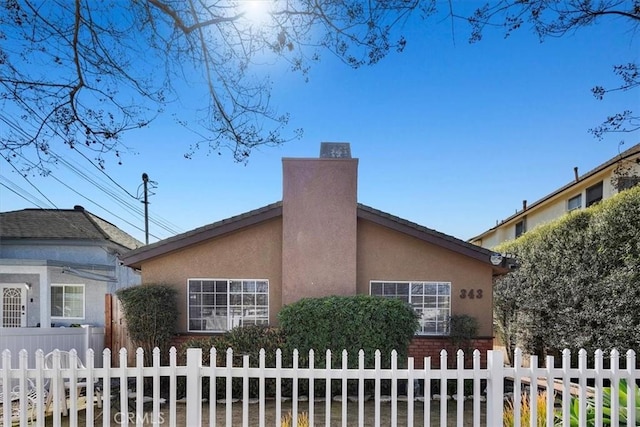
x=137, y=256
x=599, y=169
x=420, y=232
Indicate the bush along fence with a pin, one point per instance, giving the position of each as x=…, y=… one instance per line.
x=599, y=390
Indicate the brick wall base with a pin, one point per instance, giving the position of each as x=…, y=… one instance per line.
x=422, y=347
x=419, y=348
x=178, y=340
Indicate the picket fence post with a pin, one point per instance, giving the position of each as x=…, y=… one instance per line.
x=631, y=414
x=495, y=387
x=194, y=389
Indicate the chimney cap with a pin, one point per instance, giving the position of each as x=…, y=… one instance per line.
x=335, y=150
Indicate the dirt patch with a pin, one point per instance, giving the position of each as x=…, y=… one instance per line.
x=320, y=416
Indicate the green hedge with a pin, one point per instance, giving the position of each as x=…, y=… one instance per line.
x=151, y=312
x=348, y=323
x=576, y=285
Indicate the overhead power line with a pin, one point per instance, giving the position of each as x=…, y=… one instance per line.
x=27, y=179
x=93, y=179
x=125, y=202
x=52, y=176
x=21, y=192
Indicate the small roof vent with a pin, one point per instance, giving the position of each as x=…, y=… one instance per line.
x=78, y=208
x=335, y=150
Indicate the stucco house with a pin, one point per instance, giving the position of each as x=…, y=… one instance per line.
x=320, y=241
x=56, y=265
x=616, y=174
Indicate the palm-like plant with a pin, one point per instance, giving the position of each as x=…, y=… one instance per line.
x=623, y=399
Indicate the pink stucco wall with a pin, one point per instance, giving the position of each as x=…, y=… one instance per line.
x=319, y=228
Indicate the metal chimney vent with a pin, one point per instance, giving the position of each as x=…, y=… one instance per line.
x=335, y=150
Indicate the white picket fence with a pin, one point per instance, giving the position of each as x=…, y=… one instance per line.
x=28, y=385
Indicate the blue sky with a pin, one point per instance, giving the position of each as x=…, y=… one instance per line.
x=451, y=135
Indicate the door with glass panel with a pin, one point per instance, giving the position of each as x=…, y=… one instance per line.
x=13, y=307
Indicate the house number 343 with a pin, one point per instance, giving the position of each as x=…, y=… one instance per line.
x=471, y=293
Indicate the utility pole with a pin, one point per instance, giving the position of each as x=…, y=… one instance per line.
x=145, y=181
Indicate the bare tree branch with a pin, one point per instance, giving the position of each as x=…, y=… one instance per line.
x=82, y=73
x=555, y=18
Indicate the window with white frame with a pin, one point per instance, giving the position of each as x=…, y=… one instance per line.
x=221, y=304
x=574, y=202
x=430, y=300
x=67, y=301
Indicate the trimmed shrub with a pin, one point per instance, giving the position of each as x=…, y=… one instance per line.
x=151, y=313
x=351, y=323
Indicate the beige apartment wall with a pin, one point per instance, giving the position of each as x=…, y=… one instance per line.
x=251, y=253
x=608, y=188
x=493, y=238
x=385, y=254
x=558, y=206
x=553, y=208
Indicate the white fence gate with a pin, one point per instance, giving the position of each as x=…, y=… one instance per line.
x=25, y=389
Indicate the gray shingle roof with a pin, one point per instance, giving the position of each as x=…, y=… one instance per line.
x=62, y=224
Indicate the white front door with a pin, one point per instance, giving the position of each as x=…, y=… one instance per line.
x=13, y=305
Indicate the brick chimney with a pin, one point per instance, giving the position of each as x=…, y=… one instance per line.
x=319, y=224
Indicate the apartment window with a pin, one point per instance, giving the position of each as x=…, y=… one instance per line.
x=221, y=304
x=627, y=182
x=431, y=300
x=67, y=301
x=521, y=228
x=594, y=194
x=574, y=202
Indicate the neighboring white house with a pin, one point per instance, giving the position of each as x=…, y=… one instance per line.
x=616, y=174
x=56, y=265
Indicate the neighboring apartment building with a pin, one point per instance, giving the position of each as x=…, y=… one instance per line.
x=615, y=175
x=319, y=241
x=56, y=265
